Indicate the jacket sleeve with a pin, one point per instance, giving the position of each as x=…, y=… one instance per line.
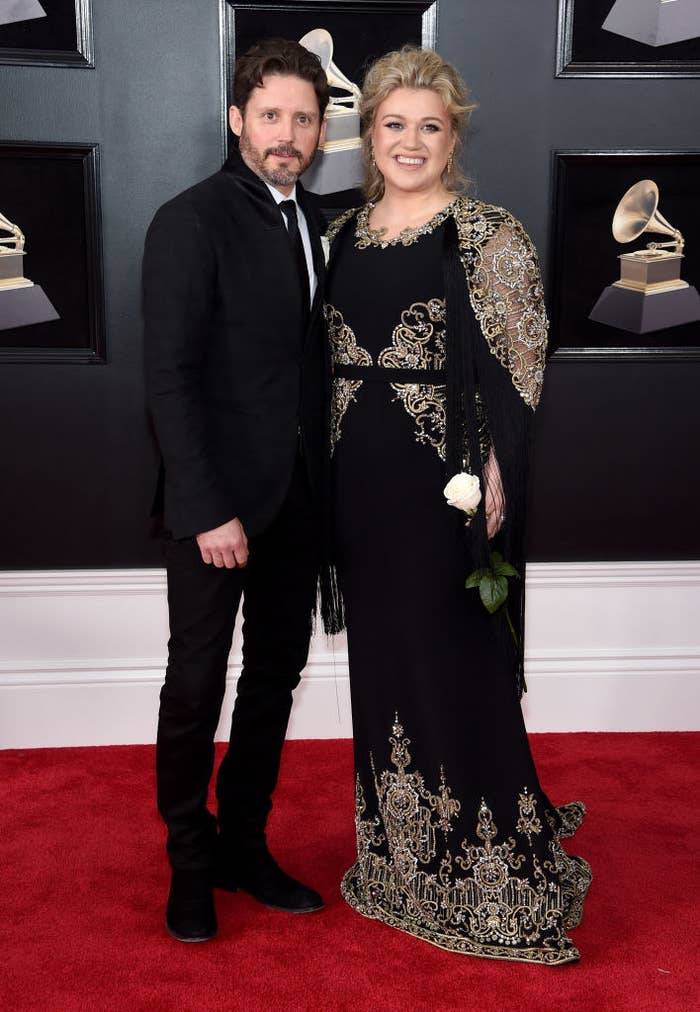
x=179, y=279
x=512, y=313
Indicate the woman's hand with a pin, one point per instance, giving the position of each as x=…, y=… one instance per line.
x=494, y=499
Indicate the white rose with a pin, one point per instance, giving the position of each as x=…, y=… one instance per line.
x=326, y=247
x=464, y=492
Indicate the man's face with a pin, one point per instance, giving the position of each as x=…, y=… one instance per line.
x=280, y=129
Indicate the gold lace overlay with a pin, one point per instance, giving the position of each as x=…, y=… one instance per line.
x=366, y=236
x=491, y=911
x=418, y=342
x=527, y=823
x=337, y=223
x=345, y=351
x=505, y=290
x=505, y=287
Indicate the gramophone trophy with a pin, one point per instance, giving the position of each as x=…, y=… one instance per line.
x=339, y=166
x=650, y=294
x=20, y=10
x=655, y=22
x=21, y=301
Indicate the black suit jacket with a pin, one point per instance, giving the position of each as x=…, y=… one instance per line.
x=233, y=383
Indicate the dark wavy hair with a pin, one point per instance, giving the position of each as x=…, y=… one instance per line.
x=278, y=56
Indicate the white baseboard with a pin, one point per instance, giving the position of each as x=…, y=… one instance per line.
x=610, y=647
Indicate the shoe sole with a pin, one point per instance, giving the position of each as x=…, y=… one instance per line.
x=270, y=906
x=187, y=938
x=283, y=910
x=288, y=910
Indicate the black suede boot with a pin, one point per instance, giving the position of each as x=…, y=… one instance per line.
x=255, y=871
x=190, y=915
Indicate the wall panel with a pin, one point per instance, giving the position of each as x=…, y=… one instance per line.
x=614, y=476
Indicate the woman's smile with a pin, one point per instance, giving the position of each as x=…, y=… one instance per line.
x=410, y=161
x=412, y=140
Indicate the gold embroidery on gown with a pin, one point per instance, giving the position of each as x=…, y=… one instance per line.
x=417, y=342
x=337, y=223
x=346, y=351
x=527, y=823
x=479, y=875
x=505, y=287
x=366, y=236
x=505, y=291
x=492, y=911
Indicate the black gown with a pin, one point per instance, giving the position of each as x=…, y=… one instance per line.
x=456, y=841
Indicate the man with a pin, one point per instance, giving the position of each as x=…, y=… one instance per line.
x=232, y=283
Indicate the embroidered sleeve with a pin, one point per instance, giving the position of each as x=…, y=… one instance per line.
x=510, y=261
x=506, y=292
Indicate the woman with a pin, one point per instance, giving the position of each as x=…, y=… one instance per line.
x=437, y=328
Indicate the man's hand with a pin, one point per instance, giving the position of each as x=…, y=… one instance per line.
x=225, y=546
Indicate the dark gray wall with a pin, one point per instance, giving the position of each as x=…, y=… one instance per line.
x=614, y=468
x=616, y=442
x=78, y=462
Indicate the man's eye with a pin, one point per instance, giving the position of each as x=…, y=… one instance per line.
x=303, y=120
x=268, y=115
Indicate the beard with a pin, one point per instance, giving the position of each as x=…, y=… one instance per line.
x=278, y=175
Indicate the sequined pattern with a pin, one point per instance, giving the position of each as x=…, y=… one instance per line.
x=366, y=236
x=346, y=351
x=506, y=291
x=337, y=223
x=505, y=287
x=425, y=403
x=418, y=342
x=528, y=823
x=508, y=905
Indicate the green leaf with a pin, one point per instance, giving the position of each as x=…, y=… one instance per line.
x=493, y=591
x=475, y=578
x=496, y=559
x=505, y=569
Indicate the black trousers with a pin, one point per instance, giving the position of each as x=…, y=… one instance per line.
x=278, y=587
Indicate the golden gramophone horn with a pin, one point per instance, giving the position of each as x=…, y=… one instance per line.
x=319, y=41
x=638, y=212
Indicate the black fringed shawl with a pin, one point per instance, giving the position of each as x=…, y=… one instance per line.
x=496, y=340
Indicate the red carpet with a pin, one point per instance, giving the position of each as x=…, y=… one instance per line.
x=84, y=882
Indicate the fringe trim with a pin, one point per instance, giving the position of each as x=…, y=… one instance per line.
x=330, y=603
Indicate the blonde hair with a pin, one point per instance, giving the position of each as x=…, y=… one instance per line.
x=410, y=67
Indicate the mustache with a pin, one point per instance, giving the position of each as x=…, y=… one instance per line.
x=284, y=151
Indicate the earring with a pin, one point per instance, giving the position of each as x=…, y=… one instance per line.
x=450, y=161
x=372, y=159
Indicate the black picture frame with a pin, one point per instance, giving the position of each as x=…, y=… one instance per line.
x=63, y=39
x=585, y=49
x=369, y=29
x=588, y=186
x=52, y=192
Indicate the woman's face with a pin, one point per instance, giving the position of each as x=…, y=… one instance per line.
x=412, y=140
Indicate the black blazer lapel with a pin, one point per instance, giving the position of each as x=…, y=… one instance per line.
x=263, y=201
x=255, y=189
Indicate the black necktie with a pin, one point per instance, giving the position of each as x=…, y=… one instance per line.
x=289, y=208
